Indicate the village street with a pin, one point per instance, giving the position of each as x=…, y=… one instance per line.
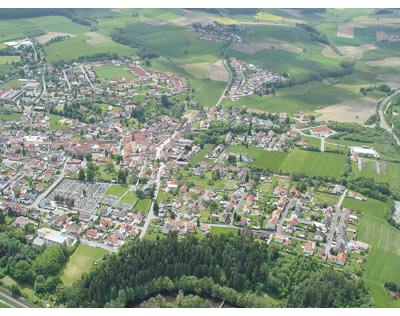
x=60, y=177
x=284, y=215
x=334, y=221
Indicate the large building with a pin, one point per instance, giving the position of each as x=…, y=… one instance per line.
x=50, y=236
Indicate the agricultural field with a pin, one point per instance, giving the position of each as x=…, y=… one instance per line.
x=384, y=240
x=74, y=47
x=270, y=159
x=9, y=59
x=252, y=151
x=304, y=97
x=370, y=207
x=309, y=162
x=80, y=262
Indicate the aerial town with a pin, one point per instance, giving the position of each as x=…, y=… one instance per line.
x=102, y=183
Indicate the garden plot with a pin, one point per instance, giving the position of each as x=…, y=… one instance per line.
x=86, y=194
x=345, y=30
x=252, y=48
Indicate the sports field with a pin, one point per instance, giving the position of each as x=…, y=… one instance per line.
x=309, y=162
x=80, y=262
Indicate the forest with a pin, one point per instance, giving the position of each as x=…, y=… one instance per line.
x=234, y=268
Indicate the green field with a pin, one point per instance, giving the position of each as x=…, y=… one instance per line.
x=80, y=262
x=117, y=190
x=55, y=122
x=129, y=198
x=222, y=230
x=270, y=159
x=9, y=59
x=252, y=151
x=111, y=72
x=370, y=207
x=309, y=162
x=391, y=175
x=304, y=97
x=326, y=198
x=143, y=205
x=384, y=239
x=13, y=116
x=199, y=156
x=74, y=47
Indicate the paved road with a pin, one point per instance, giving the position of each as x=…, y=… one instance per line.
x=15, y=301
x=384, y=124
x=322, y=144
x=66, y=79
x=333, y=222
x=284, y=215
x=230, y=75
x=51, y=187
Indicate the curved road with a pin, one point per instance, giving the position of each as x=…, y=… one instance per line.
x=230, y=74
x=384, y=124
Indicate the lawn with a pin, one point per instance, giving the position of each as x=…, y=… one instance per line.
x=129, y=198
x=117, y=190
x=199, y=157
x=326, y=198
x=55, y=122
x=143, y=205
x=80, y=262
x=222, y=230
x=13, y=116
x=111, y=72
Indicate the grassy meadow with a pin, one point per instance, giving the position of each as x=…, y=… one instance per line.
x=309, y=162
x=80, y=262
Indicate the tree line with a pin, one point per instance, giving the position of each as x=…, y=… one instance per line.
x=234, y=268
